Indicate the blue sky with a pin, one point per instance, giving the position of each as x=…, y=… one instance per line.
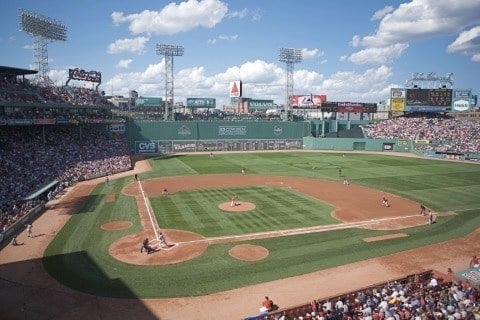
x=352, y=50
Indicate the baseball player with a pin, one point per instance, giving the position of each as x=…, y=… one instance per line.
x=29, y=230
x=423, y=210
x=385, y=202
x=233, y=201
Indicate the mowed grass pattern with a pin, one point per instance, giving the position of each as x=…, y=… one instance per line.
x=276, y=209
x=79, y=258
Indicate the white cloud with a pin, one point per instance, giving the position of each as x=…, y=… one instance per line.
x=381, y=13
x=135, y=45
x=468, y=43
x=149, y=82
x=28, y=47
x=422, y=19
x=237, y=14
x=223, y=37
x=355, y=41
x=58, y=76
x=351, y=86
x=261, y=80
x=118, y=18
x=382, y=55
x=124, y=63
x=175, y=18
x=310, y=54
x=256, y=15
x=227, y=37
x=343, y=58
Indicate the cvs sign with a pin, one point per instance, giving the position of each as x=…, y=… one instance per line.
x=145, y=147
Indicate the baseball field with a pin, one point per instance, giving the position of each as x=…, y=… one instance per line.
x=294, y=216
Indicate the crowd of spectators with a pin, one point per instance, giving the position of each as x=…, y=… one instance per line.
x=441, y=133
x=13, y=90
x=431, y=299
x=31, y=158
x=79, y=115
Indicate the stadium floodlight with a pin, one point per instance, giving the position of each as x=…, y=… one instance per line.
x=42, y=29
x=290, y=56
x=169, y=51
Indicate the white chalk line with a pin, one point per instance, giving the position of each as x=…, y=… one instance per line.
x=149, y=211
x=296, y=231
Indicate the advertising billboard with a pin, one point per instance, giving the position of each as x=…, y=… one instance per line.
x=80, y=74
x=355, y=107
x=148, y=102
x=201, y=102
x=236, y=89
x=145, y=147
x=308, y=101
x=260, y=104
x=397, y=93
x=461, y=100
x=397, y=104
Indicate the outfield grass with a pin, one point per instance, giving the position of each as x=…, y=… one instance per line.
x=79, y=257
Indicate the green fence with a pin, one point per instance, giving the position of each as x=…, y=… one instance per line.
x=158, y=137
x=352, y=144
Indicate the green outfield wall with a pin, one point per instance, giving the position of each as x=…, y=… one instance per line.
x=356, y=144
x=191, y=136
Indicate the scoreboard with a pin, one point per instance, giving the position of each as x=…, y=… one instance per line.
x=440, y=97
x=428, y=100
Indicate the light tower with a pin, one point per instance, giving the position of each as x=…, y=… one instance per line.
x=169, y=51
x=290, y=57
x=42, y=29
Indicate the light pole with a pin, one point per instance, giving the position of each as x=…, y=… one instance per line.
x=42, y=29
x=290, y=57
x=169, y=51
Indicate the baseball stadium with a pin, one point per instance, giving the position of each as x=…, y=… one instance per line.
x=326, y=210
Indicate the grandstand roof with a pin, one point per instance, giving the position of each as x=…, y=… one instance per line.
x=16, y=71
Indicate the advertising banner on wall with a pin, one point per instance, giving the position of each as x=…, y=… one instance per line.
x=145, y=147
x=461, y=100
x=397, y=104
x=350, y=107
x=308, y=101
x=201, y=102
x=43, y=121
x=116, y=127
x=260, y=104
x=397, y=93
x=148, y=102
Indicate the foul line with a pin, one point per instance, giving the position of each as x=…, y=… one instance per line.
x=289, y=232
x=147, y=205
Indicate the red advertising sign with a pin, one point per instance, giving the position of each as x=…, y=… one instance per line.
x=308, y=101
x=43, y=121
x=355, y=107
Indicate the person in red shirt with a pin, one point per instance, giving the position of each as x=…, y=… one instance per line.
x=266, y=305
x=474, y=262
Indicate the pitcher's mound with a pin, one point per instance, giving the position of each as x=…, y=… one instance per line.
x=241, y=206
x=248, y=252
